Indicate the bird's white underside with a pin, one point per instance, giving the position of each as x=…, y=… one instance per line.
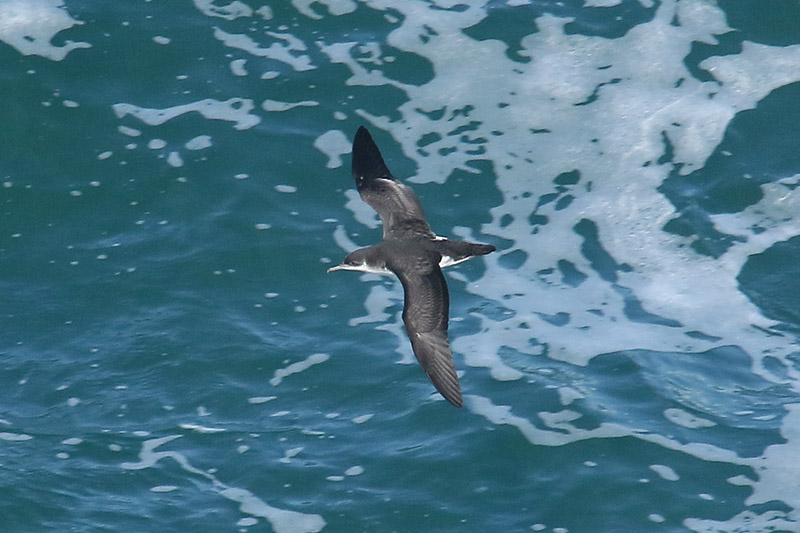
x=362, y=268
x=446, y=261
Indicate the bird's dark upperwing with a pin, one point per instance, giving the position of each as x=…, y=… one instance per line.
x=425, y=314
x=393, y=201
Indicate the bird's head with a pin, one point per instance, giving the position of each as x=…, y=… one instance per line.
x=349, y=264
x=362, y=260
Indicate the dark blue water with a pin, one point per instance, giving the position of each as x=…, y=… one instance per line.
x=174, y=183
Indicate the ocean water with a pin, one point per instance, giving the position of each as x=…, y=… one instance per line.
x=174, y=183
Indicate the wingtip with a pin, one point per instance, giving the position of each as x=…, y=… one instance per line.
x=452, y=395
x=449, y=387
x=456, y=402
x=367, y=159
x=362, y=142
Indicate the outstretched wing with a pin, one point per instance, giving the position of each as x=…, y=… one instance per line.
x=393, y=201
x=425, y=314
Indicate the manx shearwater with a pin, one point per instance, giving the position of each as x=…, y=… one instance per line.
x=415, y=254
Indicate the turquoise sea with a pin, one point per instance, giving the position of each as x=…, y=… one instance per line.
x=175, y=182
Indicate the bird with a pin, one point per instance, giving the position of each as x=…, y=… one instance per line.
x=416, y=255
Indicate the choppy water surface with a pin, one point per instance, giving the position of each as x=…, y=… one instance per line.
x=175, y=182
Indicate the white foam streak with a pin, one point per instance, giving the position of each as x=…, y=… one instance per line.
x=276, y=106
x=342, y=53
x=297, y=367
x=233, y=110
x=277, y=51
x=377, y=304
x=601, y=3
x=378, y=301
x=281, y=520
x=342, y=240
x=502, y=415
x=201, y=429
x=665, y=472
x=782, y=483
x=778, y=480
x=362, y=212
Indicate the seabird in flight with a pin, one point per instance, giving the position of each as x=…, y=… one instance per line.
x=415, y=254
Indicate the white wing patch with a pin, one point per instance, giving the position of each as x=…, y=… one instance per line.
x=447, y=261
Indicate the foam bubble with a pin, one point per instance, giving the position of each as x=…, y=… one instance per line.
x=260, y=399
x=12, y=437
x=201, y=142
x=130, y=132
x=665, y=472
x=362, y=418
x=174, y=160
x=354, y=471
x=238, y=67
x=288, y=454
x=334, y=144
